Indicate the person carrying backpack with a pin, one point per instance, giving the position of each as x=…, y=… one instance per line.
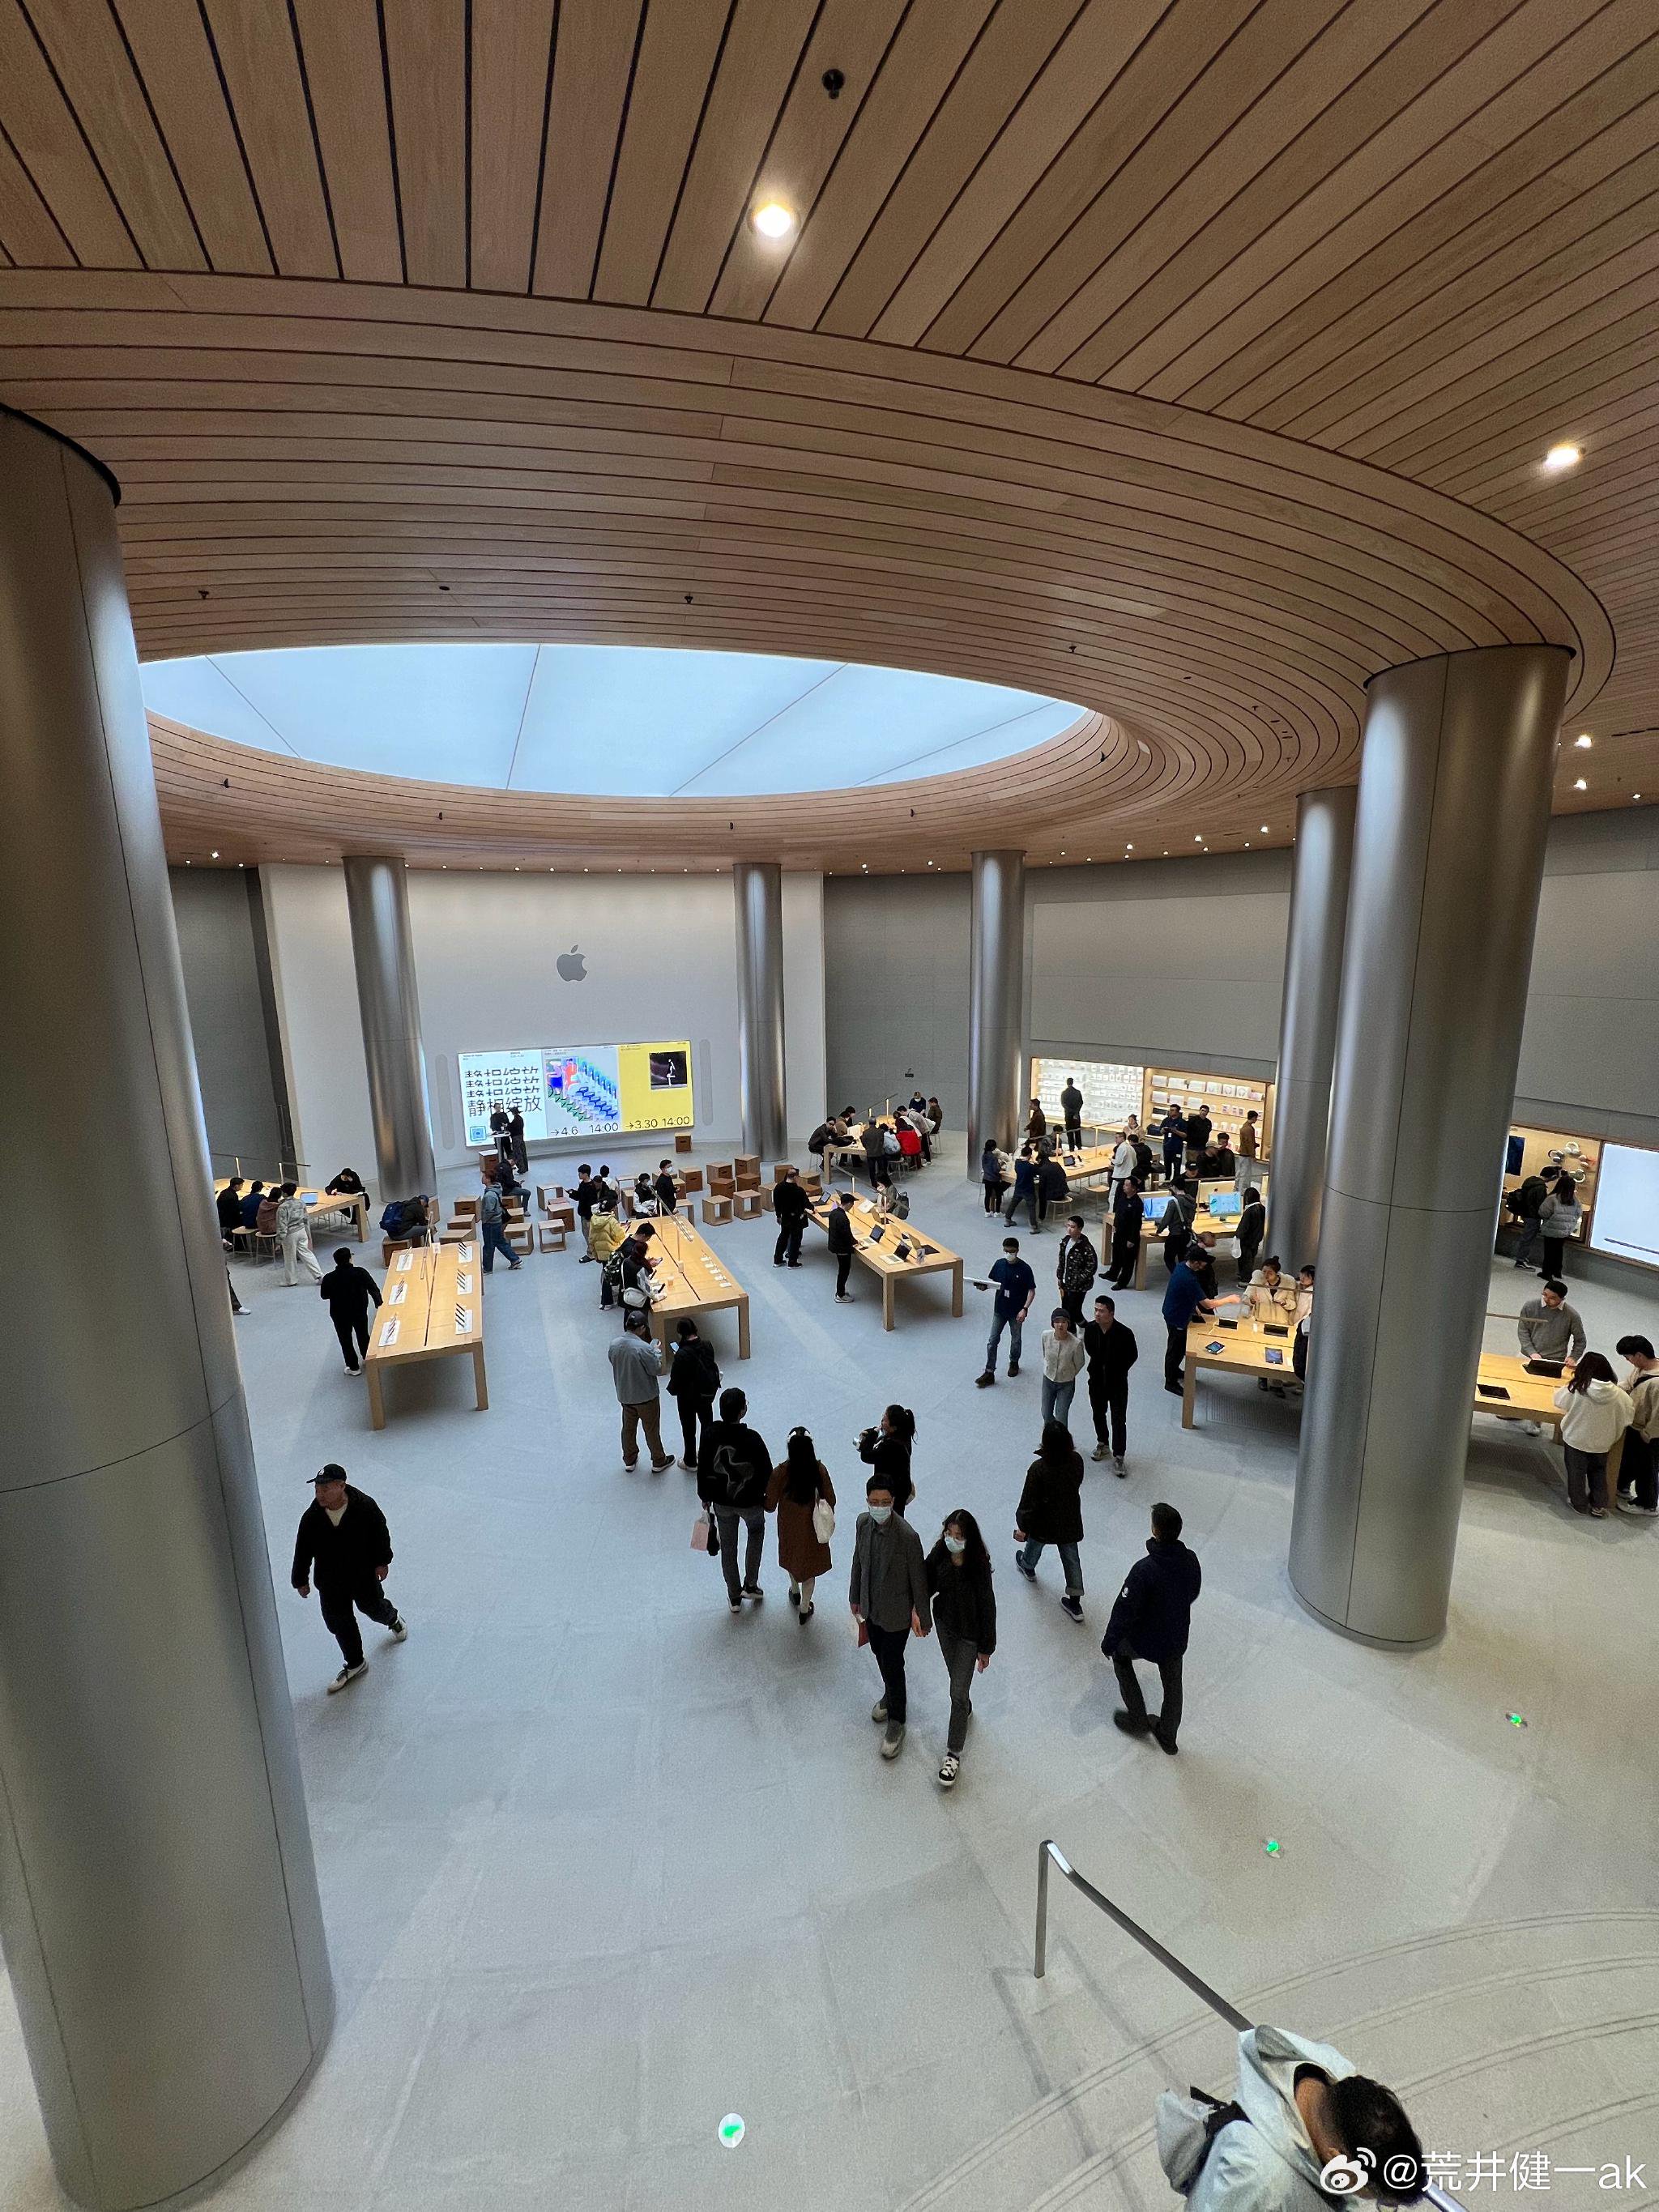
x=694, y=1382
x=734, y=1473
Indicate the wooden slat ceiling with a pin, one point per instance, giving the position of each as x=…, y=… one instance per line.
x=1191, y=359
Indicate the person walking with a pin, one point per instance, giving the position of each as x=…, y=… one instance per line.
x=1594, y=1413
x=1109, y=1347
x=1252, y=1228
x=1024, y=1191
x=586, y=1197
x=636, y=1373
x=734, y=1473
x=1638, y=1470
x=1249, y=1147
x=1180, y=1211
x=1062, y=1362
x=1151, y=1621
x=965, y=1615
x=694, y=1382
x=1128, y=1219
x=1076, y=1265
x=1299, y=2108
x=889, y=1598
x=1071, y=1110
x=351, y=1294
x=838, y=1235
x=792, y=1206
x=798, y=1488
x=1051, y=1512
x=492, y=1223
x=293, y=1234
x=1183, y=1302
x=344, y=1543
x=1015, y=1288
x=887, y=1448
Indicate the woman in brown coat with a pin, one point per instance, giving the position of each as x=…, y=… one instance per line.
x=794, y=1492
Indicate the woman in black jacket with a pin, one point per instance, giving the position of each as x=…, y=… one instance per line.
x=965, y=1615
x=694, y=1382
x=887, y=1450
x=1051, y=1512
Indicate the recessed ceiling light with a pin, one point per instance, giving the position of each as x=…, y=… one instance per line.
x=1584, y=741
x=1580, y=785
x=1197, y=840
x=1264, y=829
x=773, y=220
x=213, y=856
x=1562, y=457
x=1128, y=848
x=1636, y=795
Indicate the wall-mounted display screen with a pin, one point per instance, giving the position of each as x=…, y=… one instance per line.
x=1626, y=1219
x=579, y=1090
x=1111, y=1091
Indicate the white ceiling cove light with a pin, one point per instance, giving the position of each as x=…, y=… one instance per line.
x=1563, y=457
x=1584, y=741
x=773, y=220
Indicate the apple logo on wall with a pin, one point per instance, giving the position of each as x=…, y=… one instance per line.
x=571, y=966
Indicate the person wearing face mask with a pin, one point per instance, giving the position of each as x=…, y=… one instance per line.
x=889, y=1597
x=1051, y=1512
x=965, y=1615
x=887, y=1448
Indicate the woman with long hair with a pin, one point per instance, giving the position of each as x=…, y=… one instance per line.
x=887, y=1448
x=796, y=1489
x=965, y=1615
x=1594, y=1413
x=1051, y=1512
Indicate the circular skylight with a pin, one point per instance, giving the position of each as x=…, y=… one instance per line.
x=602, y=720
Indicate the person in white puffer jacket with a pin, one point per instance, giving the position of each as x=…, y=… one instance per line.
x=1594, y=1413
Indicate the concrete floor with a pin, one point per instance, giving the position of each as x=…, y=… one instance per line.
x=601, y=1863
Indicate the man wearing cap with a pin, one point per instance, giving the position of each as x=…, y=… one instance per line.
x=344, y=1541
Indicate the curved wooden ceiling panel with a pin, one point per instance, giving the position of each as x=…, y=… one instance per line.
x=1192, y=359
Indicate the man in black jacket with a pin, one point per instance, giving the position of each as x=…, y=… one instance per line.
x=229, y=1207
x=838, y=1233
x=586, y=1197
x=1128, y=1217
x=733, y=1470
x=791, y=1205
x=694, y=1382
x=1112, y=1351
x=1252, y=1227
x=351, y=1294
x=1071, y=1107
x=1075, y=1268
x=344, y=1542
x=1150, y=1621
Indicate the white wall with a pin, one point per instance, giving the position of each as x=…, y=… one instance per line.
x=662, y=962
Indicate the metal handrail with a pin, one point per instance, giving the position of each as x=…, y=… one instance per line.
x=1049, y=1850
x=1442, y=2200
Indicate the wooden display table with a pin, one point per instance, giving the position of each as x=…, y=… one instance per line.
x=690, y=1280
x=1244, y=1352
x=926, y=1256
x=350, y=1205
x=1204, y=1224
x=432, y=1305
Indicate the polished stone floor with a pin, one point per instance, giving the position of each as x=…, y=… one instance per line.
x=602, y=1864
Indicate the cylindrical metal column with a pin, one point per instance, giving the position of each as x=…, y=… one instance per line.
x=158, y=1902
x=1307, y=1020
x=757, y=886
x=389, y=1006
x=1449, y=853
x=996, y=1039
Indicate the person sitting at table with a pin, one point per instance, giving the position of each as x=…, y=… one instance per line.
x=1220, y=1162
x=644, y=1193
x=253, y=1199
x=347, y=1184
x=1269, y=1299
x=909, y=1141
x=229, y=1207
x=917, y=1103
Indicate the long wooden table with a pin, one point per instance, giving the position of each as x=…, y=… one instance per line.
x=352, y=1205
x=691, y=1279
x=924, y=1256
x=432, y=1305
x=1244, y=1352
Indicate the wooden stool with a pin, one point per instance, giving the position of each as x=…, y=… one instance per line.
x=562, y=1216
x=682, y=1140
x=458, y=1233
x=750, y=1205
x=550, y=1236
x=746, y=1166
x=518, y=1237
x=780, y=1168
x=391, y=1244
x=716, y=1209
x=690, y=1181
x=813, y=1186
x=548, y=1196
x=722, y=1179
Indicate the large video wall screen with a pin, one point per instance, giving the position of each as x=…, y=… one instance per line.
x=1626, y=1219
x=578, y=1089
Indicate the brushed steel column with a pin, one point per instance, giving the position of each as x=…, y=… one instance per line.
x=757, y=886
x=996, y=1027
x=1307, y=1020
x=1448, y=855
x=158, y=1902
x=389, y=1006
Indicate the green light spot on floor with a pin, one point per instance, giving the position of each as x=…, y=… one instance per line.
x=732, y=2130
x=1515, y=1720
x=1272, y=1847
